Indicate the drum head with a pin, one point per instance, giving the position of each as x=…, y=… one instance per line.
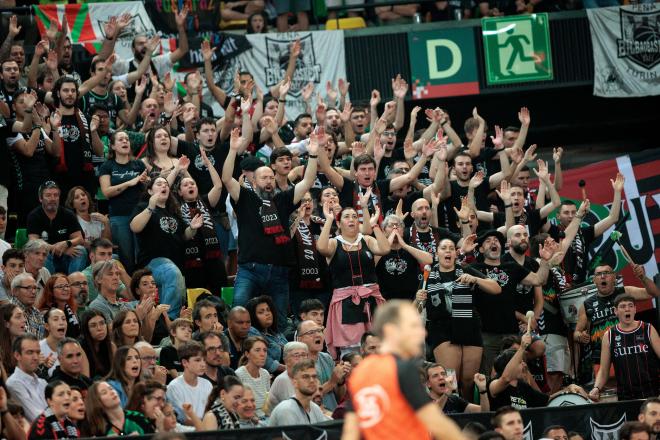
x=568, y=399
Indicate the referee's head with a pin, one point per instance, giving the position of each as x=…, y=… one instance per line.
x=399, y=326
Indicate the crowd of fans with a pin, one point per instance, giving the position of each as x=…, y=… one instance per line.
x=140, y=214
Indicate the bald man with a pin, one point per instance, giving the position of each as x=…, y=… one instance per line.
x=421, y=234
x=238, y=325
x=264, y=251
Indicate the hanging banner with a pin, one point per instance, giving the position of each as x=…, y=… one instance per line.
x=203, y=16
x=86, y=23
x=321, y=60
x=517, y=49
x=443, y=63
x=626, y=50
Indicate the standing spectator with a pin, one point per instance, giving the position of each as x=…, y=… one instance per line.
x=299, y=409
x=54, y=423
x=58, y=227
x=24, y=385
x=298, y=7
x=190, y=387
x=23, y=295
x=222, y=403
x=257, y=23
x=282, y=387
x=121, y=178
x=125, y=372
x=251, y=371
x=57, y=294
x=263, y=318
x=238, y=327
x=633, y=347
x=161, y=234
x=508, y=422
x=71, y=365
x=97, y=343
x=106, y=275
x=263, y=241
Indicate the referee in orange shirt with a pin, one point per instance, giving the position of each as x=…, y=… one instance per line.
x=388, y=400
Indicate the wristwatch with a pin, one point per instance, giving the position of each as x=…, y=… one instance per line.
x=69, y=243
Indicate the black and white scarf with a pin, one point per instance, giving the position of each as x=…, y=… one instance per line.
x=271, y=222
x=206, y=237
x=48, y=426
x=223, y=417
x=307, y=263
x=430, y=247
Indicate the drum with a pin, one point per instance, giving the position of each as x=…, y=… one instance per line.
x=568, y=399
x=571, y=300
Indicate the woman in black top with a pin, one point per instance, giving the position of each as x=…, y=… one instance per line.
x=54, y=423
x=96, y=341
x=453, y=325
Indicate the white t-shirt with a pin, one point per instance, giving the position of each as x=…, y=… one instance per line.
x=92, y=229
x=260, y=386
x=289, y=412
x=179, y=392
x=281, y=389
x=45, y=352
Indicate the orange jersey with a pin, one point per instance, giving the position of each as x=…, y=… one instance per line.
x=385, y=393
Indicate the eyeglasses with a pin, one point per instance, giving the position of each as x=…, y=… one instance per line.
x=314, y=331
x=62, y=286
x=305, y=200
x=215, y=349
x=149, y=358
x=309, y=377
x=604, y=273
x=32, y=288
x=299, y=355
x=79, y=284
x=389, y=133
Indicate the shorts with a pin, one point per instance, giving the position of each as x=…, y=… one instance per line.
x=438, y=332
x=286, y=6
x=557, y=354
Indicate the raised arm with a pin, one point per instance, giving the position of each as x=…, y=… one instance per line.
x=113, y=29
x=574, y=226
x=557, y=154
x=373, y=107
x=475, y=144
x=310, y=170
x=207, y=53
x=509, y=374
x=152, y=45
x=544, y=179
x=399, y=89
x=13, y=30
x=440, y=182
x=182, y=43
x=613, y=217
x=428, y=151
x=39, y=51
x=232, y=185
x=524, y=118
x=325, y=245
x=547, y=253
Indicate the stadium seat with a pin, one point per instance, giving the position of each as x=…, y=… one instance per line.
x=345, y=23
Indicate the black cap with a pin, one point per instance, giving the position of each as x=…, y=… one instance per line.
x=47, y=185
x=251, y=163
x=491, y=233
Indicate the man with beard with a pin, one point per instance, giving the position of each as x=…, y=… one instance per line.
x=576, y=263
x=79, y=289
x=497, y=312
x=66, y=66
x=596, y=314
x=216, y=355
x=75, y=165
x=649, y=414
x=149, y=358
x=633, y=347
x=59, y=228
x=10, y=74
x=264, y=250
x=526, y=297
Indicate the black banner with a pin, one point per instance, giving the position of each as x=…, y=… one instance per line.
x=600, y=421
x=203, y=15
x=227, y=47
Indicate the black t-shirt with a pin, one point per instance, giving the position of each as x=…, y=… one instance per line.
x=162, y=236
x=398, y=275
x=458, y=191
x=59, y=229
x=521, y=396
x=8, y=97
x=524, y=295
x=254, y=246
x=113, y=103
x=348, y=197
x=455, y=404
x=197, y=169
x=498, y=311
x=531, y=219
x=576, y=261
x=123, y=203
x=31, y=171
x=388, y=205
x=169, y=358
x=385, y=165
x=551, y=322
x=76, y=146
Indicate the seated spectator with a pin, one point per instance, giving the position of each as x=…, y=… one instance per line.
x=216, y=356
x=23, y=384
x=247, y=410
x=23, y=294
x=72, y=364
x=442, y=393
x=126, y=328
x=263, y=318
x=101, y=250
x=400, y=14
x=238, y=326
x=150, y=369
x=555, y=432
x=634, y=431
x=106, y=275
x=155, y=325
x=190, y=387
x=76, y=411
x=12, y=325
x=56, y=331
x=508, y=422
x=205, y=317
x=572, y=435
x=125, y=372
x=13, y=263
x=220, y=411
x=79, y=290
x=252, y=373
x=649, y=414
x=300, y=410
x=106, y=416
x=57, y=294
x=147, y=398
x=97, y=343
x=282, y=387
x=93, y=224
x=369, y=344
x=161, y=250
x=54, y=422
x=180, y=333
x=35, y=252
x=60, y=229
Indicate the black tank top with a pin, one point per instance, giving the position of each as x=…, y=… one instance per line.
x=636, y=365
x=352, y=268
x=600, y=314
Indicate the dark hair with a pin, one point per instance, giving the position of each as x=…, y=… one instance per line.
x=141, y=390
x=117, y=332
x=363, y=159
x=630, y=428
x=502, y=360
x=204, y=121
x=475, y=428
x=171, y=205
x=534, y=243
x=17, y=345
x=71, y=195
x=202, y=337
x=250, y=29
x=3, y=211
x=137, y=277
x=305, y=364
x=226, y=384
x=365, y=335
x=95, y=62
x=58, y=86
x=299, y=118
x=113, y=137
x=190, y=349
x=151, y=137
x=99, y=360
x=552, y=428
x=496, y=421
x=512, y=128
x=99, y=106
x=348, y=357
x=6, y=310
x=574, y=434
x=567, y=202
x=99, y=243
x=280, y=152
x=179, y=322
x=648, y=402
x=307, y=305
x=624, y=297
x=251, y=307
x=50, y=388
x=10, y=253
x=118, y=364
x=247, y=345
x=462, y=153
x=509, y=341
x=199, y=305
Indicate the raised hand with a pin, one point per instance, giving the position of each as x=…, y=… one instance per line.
x=343, y=86
x=328, y=212
x=269, y=124
x=498, y=139
x=141, y=85
x=94, y=123
x=307, y=91
x=295, y=48
x=110, y=28
x=170, y=103
x=464, y=213
x=399, y=211
x=152, y=44
x=168, y=82
x=345, y=115
x=504, y=192
x=365, y=198
x=399, y=87
x=313, y=146
x=207, y=50
x=246, y=103
x=516, y=154
x=184, y=163
x=196, y=222
x=390, y=107
x=358, y=149
x=122, y=22
x=547, y=249
x=380, y=125
x=51, y=60
x=618, y=183
x=476, y=180
x=530, y=154
x=413, y=113
x=409, y=151
x=181, y=16
x=375, y=98
x=584, y=208
x=236, y=140
x=557, y=153
x=331, y=93
x=469, y=243
x=430, y=147
x=285, y=86
x=475, y=115
x=379, y=149
x=639, y=271
x=41, y=48
x=523, y=116
x=373, y=221
x=542, y=170
x=14, y=28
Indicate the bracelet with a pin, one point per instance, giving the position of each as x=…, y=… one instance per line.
x=28, y=111
x=38, y=127
x=483, y=392
x=281, y=100
x=151, y=210
x=313, y=156
x=508, y=206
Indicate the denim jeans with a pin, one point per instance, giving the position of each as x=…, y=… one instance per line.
x=254, y=279
x=67, y=264
x=171, y=285
x=125, y=240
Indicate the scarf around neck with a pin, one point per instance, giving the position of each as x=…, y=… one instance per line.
x=271, y=222
x=307, y=262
